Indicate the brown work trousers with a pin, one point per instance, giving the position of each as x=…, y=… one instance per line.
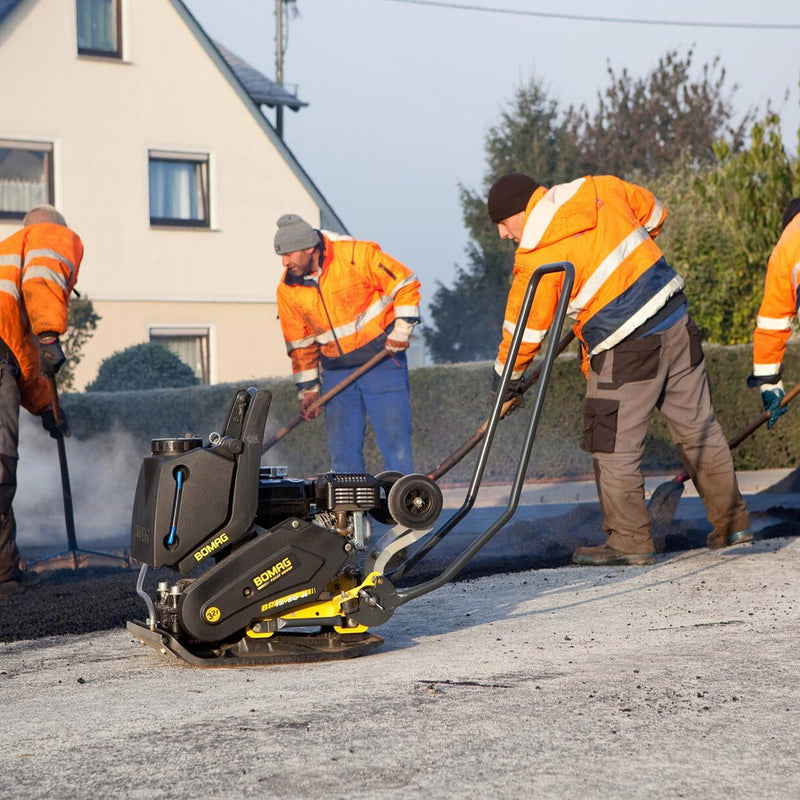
x=663, y=370
x=9, y=443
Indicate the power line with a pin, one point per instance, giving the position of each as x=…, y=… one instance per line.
x=590, y=18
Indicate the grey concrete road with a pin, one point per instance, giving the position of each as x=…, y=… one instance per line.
x=672, y=681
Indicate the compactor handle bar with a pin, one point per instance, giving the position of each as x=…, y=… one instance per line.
x=398, y=597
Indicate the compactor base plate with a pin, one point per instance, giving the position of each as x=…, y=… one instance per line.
x=280, y=648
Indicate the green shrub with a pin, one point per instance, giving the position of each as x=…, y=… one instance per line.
x=142, y=366
x=449, y=403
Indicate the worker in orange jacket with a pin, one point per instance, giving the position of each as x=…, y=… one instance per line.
x=340, y=302
x=779, y=307
x=38, y=269
x=640, y=349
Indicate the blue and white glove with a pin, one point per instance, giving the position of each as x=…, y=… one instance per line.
x=771, y=396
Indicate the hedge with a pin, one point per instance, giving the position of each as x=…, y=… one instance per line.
x=449, y=403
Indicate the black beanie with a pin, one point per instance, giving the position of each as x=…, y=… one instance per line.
x=509, y=195
x=792, y=210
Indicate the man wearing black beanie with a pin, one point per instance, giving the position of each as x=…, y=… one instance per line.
x=640, y=349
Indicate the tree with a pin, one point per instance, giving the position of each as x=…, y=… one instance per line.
x=701, y=250
x=474, y=306
x=643, y=126
x=532, y=137
x=745, y=194
x=142, y=366
x=81, y=325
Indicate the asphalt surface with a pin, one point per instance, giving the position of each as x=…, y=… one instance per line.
x=676, y=680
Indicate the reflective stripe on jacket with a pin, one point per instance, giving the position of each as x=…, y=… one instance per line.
x=779, y=306
x=339, y=316
x=606, y=228
x=38, y=268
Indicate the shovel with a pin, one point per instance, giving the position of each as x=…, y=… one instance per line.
x=664, y=500
x=66, y=492
x=353, y=376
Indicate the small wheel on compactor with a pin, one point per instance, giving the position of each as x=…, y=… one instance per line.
x=415, y=501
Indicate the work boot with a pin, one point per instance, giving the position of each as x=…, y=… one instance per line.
x=716, y=540
x=604, y=556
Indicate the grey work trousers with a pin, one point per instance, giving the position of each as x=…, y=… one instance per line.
x=664, y=370
x=9, y=444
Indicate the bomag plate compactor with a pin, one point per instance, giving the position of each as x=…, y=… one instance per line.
x=280, y=569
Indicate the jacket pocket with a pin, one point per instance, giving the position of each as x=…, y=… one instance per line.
x=695, y=344
x=596, y=362
x=636, y=360
x=599, y=424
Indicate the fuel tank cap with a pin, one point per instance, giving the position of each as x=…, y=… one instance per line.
x=173, y=446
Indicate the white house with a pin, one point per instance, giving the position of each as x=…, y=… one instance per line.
x=150, y=139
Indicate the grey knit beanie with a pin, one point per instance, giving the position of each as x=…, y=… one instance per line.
x=509, y=195
x=294, y=233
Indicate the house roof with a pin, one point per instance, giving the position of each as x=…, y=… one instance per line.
x=261, y=89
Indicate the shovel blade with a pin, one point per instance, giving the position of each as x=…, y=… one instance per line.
x=662, y=507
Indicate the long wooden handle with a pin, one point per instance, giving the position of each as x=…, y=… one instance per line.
x=332, y=392
x=759, y=421
x=748, y=430
x=456, y=456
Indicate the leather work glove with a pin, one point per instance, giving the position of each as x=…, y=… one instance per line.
x=307, y=398
x=51, y=356
x=513, y=390
x=56, y=429
x=397, y=338
x=771, y=396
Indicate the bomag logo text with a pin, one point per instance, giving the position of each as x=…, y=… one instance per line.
x=273, y=573
x=208, y=549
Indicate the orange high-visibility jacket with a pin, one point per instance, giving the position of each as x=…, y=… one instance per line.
x=339, y=316
x=606, y=228
x=38, y=268
x=779, y=306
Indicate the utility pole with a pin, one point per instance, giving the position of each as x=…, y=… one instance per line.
x=279, y=63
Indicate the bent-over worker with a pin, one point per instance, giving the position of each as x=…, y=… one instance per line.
x=641, y=351
x=340, y=302
x=38, y=268
x=779, y=306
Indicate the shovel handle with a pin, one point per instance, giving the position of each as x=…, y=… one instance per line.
x=749, y=429
x=332, y=392
x=51, y=380
x=456, y=456
x=759, y=421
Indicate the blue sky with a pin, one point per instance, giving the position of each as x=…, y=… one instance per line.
x=401, y=94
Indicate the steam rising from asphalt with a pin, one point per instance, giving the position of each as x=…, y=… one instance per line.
x=103, y=471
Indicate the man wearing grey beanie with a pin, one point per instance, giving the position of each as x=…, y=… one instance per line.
x=340, y=302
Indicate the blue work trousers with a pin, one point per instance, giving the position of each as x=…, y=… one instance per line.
x=382, y=394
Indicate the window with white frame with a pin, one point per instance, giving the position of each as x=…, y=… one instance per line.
x=99, y=28
x=178, y=189
x=26, y=177
x=189, y=344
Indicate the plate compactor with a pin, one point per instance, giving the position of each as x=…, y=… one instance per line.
x=281, y=569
